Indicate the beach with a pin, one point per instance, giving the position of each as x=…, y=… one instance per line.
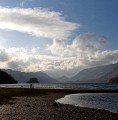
x=29, y=104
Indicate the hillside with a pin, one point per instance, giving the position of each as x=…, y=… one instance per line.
x=6, y=78
x=114, y=80
x=23, y=77
x=63, y=79
x=99, y=74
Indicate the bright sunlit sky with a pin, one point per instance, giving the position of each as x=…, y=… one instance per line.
x=59, y=37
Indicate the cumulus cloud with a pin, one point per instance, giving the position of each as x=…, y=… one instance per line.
x=57, y=47
x=17, y=65
x=38, y=22
x=89, y=42
x=35, y=50
x=83, y=45
x=3, y=55
x=85, y=51
x=105, y=57
x=24, y=60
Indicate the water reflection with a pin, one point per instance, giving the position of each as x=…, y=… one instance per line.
x=107, y=101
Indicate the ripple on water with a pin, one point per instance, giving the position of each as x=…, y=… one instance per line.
x=106, y=101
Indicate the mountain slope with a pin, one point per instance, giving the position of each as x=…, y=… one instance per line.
x=63, y=79
x=23, y=77
x=5, y=78
x=97, y=74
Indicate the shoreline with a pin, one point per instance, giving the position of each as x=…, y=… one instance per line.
x=33, y=104
x=20, y=90
x=83, y=106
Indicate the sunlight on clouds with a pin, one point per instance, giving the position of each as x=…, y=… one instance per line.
x=57, y=47
x=86, y=50
x=89, y=42
x=38, y=22
x=83, y=45
x=24, y=60
x=35, y=50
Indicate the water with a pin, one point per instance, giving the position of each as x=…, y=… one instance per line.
x=66, y=85
x=100, y=101
x=106, y=101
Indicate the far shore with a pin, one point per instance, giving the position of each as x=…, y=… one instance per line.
x=35, y=104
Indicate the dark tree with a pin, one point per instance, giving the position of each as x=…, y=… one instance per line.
x=5, y=78
x=114, y=80
x=33, y=80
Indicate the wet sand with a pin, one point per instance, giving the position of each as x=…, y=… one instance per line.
x=27, y=105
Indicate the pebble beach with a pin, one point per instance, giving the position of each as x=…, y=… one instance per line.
x=41, y=107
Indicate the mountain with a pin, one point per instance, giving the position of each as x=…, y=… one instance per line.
x=54, y=74
x=100, y=74
x=114, y=80
x=5, y=78
x=23, y=77
x=63, y=79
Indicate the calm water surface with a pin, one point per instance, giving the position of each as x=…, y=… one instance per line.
x=107, y=101
x=66, y=85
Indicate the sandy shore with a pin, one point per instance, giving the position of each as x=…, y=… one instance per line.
x=40, y=107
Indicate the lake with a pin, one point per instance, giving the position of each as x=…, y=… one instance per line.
x=106, y=101
x=65, y=85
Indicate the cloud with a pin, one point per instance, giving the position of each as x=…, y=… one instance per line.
x=3, y=55
x=89, y=42
x=84, y=51
x=105, y=57
x=57, y=47
x=24, y=60
x=36, y=21
x=17, y=65
x=83, y=45
x=35, y=50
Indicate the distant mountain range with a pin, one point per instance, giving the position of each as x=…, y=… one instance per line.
x=101, y=74
x=23, y=77
x=63, y=79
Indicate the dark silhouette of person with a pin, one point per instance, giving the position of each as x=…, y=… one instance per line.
x=31, y=86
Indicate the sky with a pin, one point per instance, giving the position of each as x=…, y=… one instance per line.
x=59, y=37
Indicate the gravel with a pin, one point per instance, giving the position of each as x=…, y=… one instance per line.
x=41, y=107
